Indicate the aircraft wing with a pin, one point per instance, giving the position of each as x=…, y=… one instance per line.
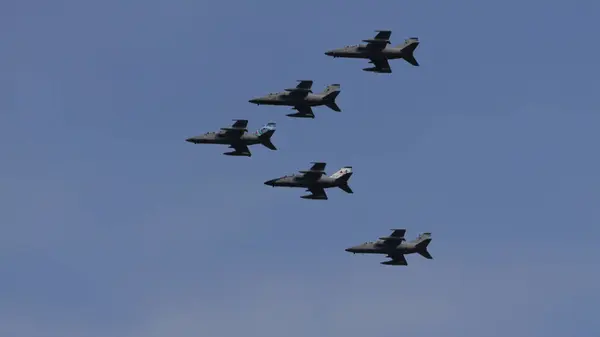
x=398, y=233
x=316, y=193
x=318, y=166
x=303, y=111
x=382, y=64
x=238, y=128
x=395, y=238
x=380, y=40
x=241, y=148
x=396, y=260
x=302, y=89
x=304, y=85
x=383, y=35
x=315, y=172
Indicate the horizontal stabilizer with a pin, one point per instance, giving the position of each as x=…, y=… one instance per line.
x=408, y=50
x=268, y=144
x=412, y=60
x=333, y=106
x=346, y=188
x=425, y=239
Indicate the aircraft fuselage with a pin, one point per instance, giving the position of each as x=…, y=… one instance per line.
x=289, y=100
x=324, y=182
x=376, y=248
x=389, y=53
x=224, y=140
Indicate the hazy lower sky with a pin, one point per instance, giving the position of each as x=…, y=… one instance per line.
x=112, y=225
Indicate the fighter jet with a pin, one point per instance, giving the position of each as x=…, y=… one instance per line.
x=302, y=99
x=395, y=247
x=315, y=182
x=378, y=51
x=237, y=137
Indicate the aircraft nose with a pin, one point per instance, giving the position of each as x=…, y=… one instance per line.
x=191, y=140
x=329, y=53
x=270, y=182
x=254, y=101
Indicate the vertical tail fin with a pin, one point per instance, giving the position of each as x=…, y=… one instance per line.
x=423, y=241
x=329, y=95
x=331, y=88
x=408, y=49
x=341, y=178
x=264, y=135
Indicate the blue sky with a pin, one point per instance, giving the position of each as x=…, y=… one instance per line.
x=111, y=224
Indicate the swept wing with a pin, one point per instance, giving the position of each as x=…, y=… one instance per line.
x=316, y=193
x=396, y=260
x=240, y=148
x=302, y=89
x=304, y=111
x=397, y=234
x=395, y=238
x=237, y=129
x=380, y=40
x=315, y=172
x=381, y=64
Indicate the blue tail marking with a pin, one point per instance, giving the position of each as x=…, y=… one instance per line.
x=271, y=126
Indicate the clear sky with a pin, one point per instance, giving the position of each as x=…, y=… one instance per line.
x=112, y=225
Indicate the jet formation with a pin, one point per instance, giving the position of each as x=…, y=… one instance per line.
x=301, y=99
x=315, y=181
x=378, y=51
x=238, y=138
x=395, y=247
